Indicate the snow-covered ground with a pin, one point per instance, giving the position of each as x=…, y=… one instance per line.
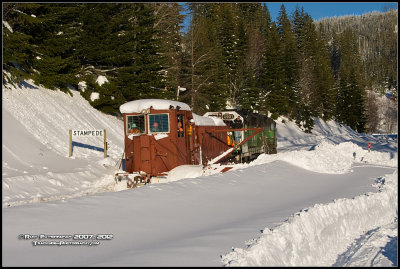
x=323, y=200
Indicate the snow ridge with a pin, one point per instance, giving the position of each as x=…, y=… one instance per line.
x=327, y=157
x=314, y=236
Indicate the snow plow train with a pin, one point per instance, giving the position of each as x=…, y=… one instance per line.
x=161, y=135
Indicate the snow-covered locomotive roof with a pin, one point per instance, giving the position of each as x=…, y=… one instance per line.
x=207, y=121
x=137, y=106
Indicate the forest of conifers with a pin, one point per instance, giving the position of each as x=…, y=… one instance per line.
x=231, y=54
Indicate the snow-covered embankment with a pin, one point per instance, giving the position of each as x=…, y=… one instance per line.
x=36, y=167
x=315, y=236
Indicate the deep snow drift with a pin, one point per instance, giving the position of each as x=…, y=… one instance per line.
x=324, y=199
x=35, y=163
x=314, y=236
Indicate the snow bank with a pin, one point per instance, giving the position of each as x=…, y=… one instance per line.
x=138, y=105
x=291, y=136
x=315, y=235
x=377, y=247
x=184, y=171
x=49, y=115
x=36, y=167
x=327, y=157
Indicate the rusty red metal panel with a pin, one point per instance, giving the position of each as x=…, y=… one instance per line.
x=145, y=153
x=212, y=143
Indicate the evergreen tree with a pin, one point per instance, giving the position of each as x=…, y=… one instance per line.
x=45, y=37
x=105, y=47
x=57, y=63
x=226, y=46
x=289, y=61
x=253, y=28
x=351, y=92
x=325, y=81
x=272, y=79
x=315, y=78
x=17, y=54
x=141, y=77
x=199, y=66
x=18, y=42
x=240, y=79
x=119, y=41
x=168, y=20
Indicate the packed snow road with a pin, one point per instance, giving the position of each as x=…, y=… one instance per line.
x=191, y=222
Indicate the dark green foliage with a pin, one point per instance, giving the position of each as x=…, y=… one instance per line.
x=378, y=41
x=18, y=47
x=290, y=61
x=351, y=90
x=168, y=26
x=325, y=101
x=273, y=77
x=109, y=97
x=232, y=54
x=17, y=54
x=63, y=44
x=142, y=77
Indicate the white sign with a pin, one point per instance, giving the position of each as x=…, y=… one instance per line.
x=87, y=132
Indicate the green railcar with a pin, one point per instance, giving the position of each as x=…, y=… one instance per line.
x=263, y=142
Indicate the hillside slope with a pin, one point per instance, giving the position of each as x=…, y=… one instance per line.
x=36, y=123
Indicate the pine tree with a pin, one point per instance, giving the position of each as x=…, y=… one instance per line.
x=168, y=20
x=253, y=27
x=315, y=76
x=325, y=81
x=57, y=63
x=289, y=61
x=198, y=60
x=120, y=42
x=272, y=79
x=18, y=43
x=226, y=46
x=141, y=77
x=105, y=47
x=351, y=92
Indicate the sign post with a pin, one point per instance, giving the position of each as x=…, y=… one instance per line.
x=105, y=144
x=369, y=146
x=87, y=133
x=70, y=143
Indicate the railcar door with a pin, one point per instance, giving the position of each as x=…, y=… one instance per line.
x=181, y=141
x=160, y=136
x=135, y=127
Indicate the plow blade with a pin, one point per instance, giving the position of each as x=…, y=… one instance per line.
x=185, y=171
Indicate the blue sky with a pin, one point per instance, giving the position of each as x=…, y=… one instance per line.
x=319, y=10
x=329, y=9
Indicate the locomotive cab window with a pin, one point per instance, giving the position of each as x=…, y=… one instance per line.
x=135, y=124
x=180, y=126
x=159, y=123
